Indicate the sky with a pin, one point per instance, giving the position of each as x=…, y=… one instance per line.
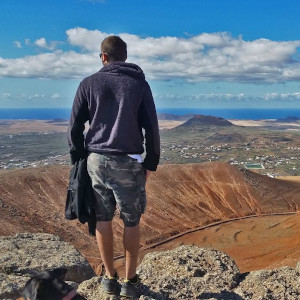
x=194, y=53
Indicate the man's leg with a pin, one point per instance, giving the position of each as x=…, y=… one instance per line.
x=104, y=235
x=132, y=286
x=131, y=241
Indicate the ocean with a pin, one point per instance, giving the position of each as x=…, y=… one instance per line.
x=229, y=113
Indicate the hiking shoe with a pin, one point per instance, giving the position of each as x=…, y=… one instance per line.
x=110, y=285
x=135, y=289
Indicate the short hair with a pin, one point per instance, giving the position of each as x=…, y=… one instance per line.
x=115, y=48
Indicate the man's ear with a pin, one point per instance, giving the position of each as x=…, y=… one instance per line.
x=104, y=57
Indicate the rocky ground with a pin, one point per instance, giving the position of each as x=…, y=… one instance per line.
x=187, y=272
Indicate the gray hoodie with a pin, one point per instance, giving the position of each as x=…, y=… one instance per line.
x=118, y=103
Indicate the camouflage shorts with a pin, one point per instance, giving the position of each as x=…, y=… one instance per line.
x=117, y=180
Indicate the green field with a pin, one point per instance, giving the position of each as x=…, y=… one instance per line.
x=31, y=147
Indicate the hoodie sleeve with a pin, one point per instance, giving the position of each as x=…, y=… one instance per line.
x=79, y=115
x=148, y=119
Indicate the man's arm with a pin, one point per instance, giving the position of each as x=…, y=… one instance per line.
x=79, y=115
x=148, y=119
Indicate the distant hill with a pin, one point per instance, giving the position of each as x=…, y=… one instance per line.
x=229, y=137
x=201, y=120
x=172, y=117
x=58, y=120
x=288, y=120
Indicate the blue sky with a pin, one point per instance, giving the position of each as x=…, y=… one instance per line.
x=195, y=53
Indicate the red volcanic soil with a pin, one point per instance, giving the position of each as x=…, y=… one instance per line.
x=180, y=198
x=263, y=242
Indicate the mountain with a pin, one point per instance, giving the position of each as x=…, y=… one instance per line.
x=229, y=137
x=288, y=120
x=180, y=198
x=201, y=120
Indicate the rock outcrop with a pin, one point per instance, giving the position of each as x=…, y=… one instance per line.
x=279, y=284
x=11, y=285
x=187, y=272
x=24, y=255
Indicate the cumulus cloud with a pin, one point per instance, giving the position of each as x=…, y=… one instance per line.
x=44, y=44
x=89, y=40
x=57, y=65
x=205, y=57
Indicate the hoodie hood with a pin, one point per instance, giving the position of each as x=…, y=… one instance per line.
x=120, y=67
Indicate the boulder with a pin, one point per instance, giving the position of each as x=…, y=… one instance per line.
x=91, y=289
x=278, y=284
x=11, y=286
x=26, y=254
x=189, y=272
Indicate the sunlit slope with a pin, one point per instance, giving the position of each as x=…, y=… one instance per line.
x=186, y=196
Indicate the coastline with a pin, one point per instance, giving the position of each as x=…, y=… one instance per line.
x=226, y=113
x=16, y=126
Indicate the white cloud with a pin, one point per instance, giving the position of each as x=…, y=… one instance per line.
x=50, y=65
x=44, y=44
x=18, y=44
x=41, y=42
x=89, y=40
x=205, y=57
x=227, y=98
x=55, y=96
x=282, y=96
x=195, y=98
x=34, y=98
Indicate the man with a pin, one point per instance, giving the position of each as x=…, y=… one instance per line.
x=118, y=103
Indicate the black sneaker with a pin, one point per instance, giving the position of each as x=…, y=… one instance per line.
x=110, y=285
x=135, y=289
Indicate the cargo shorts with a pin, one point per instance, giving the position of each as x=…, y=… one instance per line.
x=117, y=180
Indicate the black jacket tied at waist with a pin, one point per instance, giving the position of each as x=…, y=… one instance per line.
x=80, y=197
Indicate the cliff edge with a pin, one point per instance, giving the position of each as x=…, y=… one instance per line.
x=187, y=272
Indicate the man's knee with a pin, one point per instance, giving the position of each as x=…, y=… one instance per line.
x=102, y=226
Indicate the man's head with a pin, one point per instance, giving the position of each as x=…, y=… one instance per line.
x=113, y=48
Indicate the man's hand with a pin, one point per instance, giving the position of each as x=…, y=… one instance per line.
x=147, y=173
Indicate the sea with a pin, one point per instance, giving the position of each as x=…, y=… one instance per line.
x=226, y=113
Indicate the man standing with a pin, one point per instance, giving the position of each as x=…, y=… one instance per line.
x=118, y=103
